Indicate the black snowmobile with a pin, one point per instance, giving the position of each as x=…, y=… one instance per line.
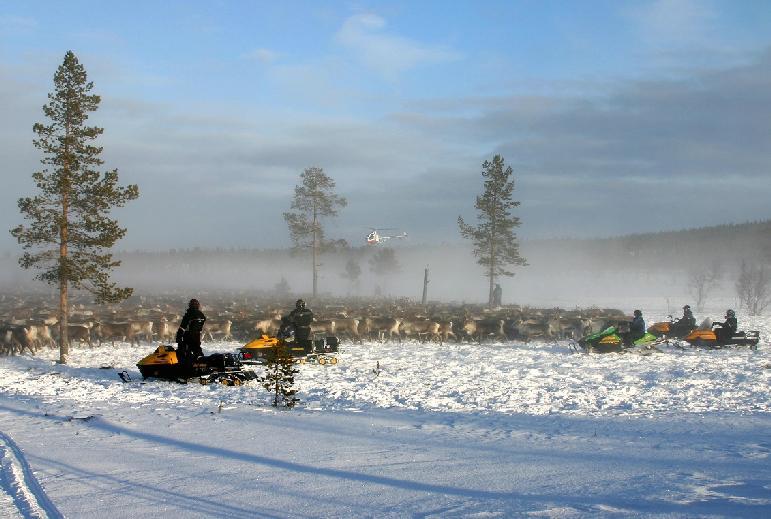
x=225, y=368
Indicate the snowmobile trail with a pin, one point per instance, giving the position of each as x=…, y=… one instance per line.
x=19, y=482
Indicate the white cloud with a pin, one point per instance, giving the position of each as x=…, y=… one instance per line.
x=17, y=24
x=664, y=23
x=365, y=35
x=265, y=56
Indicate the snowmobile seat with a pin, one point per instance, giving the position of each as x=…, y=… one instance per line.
x=223, y=360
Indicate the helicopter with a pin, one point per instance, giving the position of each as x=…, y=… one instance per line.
x=374, y=237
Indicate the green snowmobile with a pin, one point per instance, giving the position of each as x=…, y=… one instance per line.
x=609, y=340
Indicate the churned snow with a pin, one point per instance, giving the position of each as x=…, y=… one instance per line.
x=395, y=430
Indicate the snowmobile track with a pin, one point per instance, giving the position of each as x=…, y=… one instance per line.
x=18, y=481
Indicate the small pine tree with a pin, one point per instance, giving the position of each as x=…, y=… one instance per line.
x=279, y=378
x=384, y=263
x=352, y=272
x=282, y=288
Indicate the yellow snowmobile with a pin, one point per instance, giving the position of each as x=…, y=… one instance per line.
x=321, y=350
x=670, y=329
x=224, y=368
x=707, y=338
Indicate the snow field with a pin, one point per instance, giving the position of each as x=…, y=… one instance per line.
x=457, y=430
x=535, y=379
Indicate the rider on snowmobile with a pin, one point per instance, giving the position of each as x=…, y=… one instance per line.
x=727, y=329
x=301, y=318
x=636, y=328
x=685, y=324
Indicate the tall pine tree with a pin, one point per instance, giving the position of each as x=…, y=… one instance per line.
x=495, y=242
x=313, y=200
x=68, y=232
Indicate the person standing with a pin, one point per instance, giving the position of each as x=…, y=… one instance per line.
x=497, y=295
x=189, y=334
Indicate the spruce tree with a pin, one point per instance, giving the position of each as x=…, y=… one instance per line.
x=495, y=242
x=384, y=263
x=279, y=377
x=313, y=200
x=352, y=270
x=68, y=232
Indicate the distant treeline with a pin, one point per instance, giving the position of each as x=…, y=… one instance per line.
x=724, y=245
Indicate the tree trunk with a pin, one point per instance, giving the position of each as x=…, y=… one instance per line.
x=64, y=239
x=493, y=222
x=425, y=287
x=64, y=314
x=64, y=340
x=492, y=287
x=315, y=253
x=491, y=273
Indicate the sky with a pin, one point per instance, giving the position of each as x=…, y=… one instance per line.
x=616, y=117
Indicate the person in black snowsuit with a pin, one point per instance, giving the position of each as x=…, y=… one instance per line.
x=301, y=318
x=497, y=295
x=189, y=334
x=636, y=328
x=727, y=329
x=685, y=324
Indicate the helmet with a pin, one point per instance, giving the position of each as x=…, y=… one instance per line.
x=637, y=313
x=194, y=303
x=300, y=304
x=687, y=307
x=730, y=313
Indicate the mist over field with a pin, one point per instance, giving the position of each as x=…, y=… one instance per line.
x=560, y=273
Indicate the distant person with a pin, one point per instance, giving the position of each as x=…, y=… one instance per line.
x=684, y=325
x=301, y=318
x=727, y=329
x=189, y=333
x=497, y=295
x=636, y=328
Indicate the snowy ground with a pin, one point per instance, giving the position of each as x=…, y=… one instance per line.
x=499, y=430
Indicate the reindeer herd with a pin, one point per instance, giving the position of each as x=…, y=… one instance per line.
x=28, y=323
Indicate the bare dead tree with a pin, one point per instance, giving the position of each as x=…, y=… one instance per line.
x=702, y=281
x=753, y=286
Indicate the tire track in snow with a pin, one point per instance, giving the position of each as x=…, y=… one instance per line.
x=18, y=481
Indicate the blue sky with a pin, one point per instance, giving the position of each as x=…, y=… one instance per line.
x=629, y=109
